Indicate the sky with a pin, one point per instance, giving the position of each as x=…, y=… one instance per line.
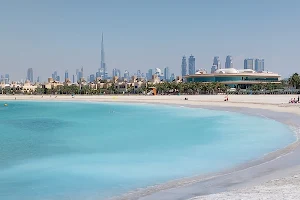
x=55, y=35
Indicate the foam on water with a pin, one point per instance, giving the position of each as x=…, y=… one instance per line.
x=78, y=151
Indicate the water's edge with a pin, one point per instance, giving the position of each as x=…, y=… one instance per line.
x=183, y=182
x=147, y=192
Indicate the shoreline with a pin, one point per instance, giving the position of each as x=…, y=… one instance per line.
x=188, y=187
x=166, y=190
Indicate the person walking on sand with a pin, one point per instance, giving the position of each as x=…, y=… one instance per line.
x=226, y=98
x=298, y=99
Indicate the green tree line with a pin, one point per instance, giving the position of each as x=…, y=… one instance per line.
x=191, y=88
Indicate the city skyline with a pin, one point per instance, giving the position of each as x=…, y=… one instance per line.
x=187, y=68
x=65, y=40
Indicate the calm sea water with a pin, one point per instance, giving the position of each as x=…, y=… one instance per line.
x=63, y=150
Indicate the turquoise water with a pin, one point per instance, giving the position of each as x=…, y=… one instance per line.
x=63, y=150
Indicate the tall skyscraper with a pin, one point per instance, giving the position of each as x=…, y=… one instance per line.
x=139, y=73
x=30, y=75
x=92, y=78
x=192, y=67
x=259, y=65
x=66, y=74
x=213, y=69
x=229, y=62
x=249, y=63
x=116, y=72
x=149, y=74
x=54, y=76
x=6, y=78
x=98, y=74
x=103, y=70
x=183, y=66
x=166, y=74
x=81, y=73
x=126, y=74
x=217, y=62
x=172, y=77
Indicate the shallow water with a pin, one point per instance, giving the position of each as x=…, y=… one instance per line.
x=64, y=150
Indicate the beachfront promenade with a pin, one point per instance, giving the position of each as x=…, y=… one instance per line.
x=275, y=177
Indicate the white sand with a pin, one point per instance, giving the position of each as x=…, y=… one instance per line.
x=287, y=188
x=278, y=189
x=277, y=103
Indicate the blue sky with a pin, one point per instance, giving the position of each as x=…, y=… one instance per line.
x=59, y=35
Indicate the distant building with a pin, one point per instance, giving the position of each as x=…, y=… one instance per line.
x=259, y=65
x=92, y=78
x=81, y=73
x=233, y=78
x=98, y=74
x=116, y=72
x=167, y=74
x=158, y=72
x=66, y=74
x=126, y=74
x=138, y=73
x=2, y=79
x=73, y=81
x=249, y=63
x=213, y=69
x=192, y=67
x=6, y=77
x=103, y=70
x=172, y=78
x=54, y=76
x=229, y=62
x=217, y=62
x=183, y=66
x=30, y=75
x=149, y=74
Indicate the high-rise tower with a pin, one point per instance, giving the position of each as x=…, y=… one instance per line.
x=166, y=74
x=103, y=71
x=259, y=65
x=217, y=62
x=66, y=75
x=183, y=66
x=229, y=62
x=249, y=63
x=30, y=75
x=192, y=67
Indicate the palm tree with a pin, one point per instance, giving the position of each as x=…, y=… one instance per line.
x=294, y=80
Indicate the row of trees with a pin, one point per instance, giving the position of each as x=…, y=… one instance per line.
x=167, y=88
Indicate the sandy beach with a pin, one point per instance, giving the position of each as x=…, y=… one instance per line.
x=275, y=176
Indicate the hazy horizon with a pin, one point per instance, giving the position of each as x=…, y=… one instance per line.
x=53, y=36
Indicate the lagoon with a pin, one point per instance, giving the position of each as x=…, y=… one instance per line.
x=72, y=150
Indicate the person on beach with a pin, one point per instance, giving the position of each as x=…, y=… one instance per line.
x=226, y=98
x=298, y=99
